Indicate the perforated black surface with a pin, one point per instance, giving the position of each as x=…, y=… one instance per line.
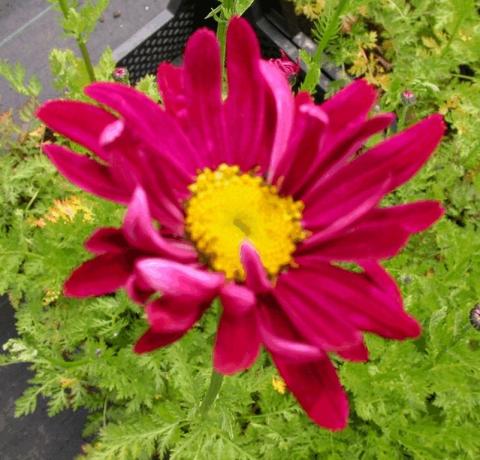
x=167, y=41
x=166, y=44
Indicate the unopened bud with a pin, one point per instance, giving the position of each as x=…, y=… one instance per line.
x=288, y=67
x=120, y=74
x=475, y=316
x=408, y=97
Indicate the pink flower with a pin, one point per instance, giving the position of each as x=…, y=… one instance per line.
x=258, y=197
x=120, y=74
x=408, y=97
x=288, y=67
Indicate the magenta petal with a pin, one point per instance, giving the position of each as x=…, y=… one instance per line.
x=370, y=301
x=237, y=300
x=352, y=103
x=140, y=233
x=280, y=337
x=86, y=174
x=284, y=110
x=183, y=282
x=81, y=122
x=335, y=153
x=303, y=148
x=256, y=277
x=402, y=155
x=102, y=275
x=351, y=210
x=399, y=157
x=338, y=150
x=237, y=344
x=413, y=217
x=357, y=352
x=312, y=314
x=152, y=340
x=340, y=206
x=172, y=88
x=170, y=314
x=107, y=239
x=378, y=276
x=292, y=350
x=245, y=104
x=377, y=241
x=203, y=90
x=137, y=290
x=317, y=389
x=156, y=128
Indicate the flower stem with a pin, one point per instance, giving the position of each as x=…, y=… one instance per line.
x=81, y=45
x=87, y=60
x=315, y=66
x=227, y=10
x=402, y=119
x=216, y=380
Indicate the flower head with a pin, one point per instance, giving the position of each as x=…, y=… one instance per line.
x=120, y=74
x=408, y=97
x=257, y=198
x=288, y=67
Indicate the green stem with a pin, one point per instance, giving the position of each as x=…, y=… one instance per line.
x=228, y=5
x=315, y=68
x=213, y=389
x=87, y=60
x=81, y=45
x=402, y=119
x=21, y=253
x=64, y=7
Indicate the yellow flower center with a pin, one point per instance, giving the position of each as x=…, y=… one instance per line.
x=228, y=207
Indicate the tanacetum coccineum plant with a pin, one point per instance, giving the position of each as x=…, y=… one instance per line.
x=254, y=199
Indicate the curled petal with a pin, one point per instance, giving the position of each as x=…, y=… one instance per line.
x=184, y=283
x=256, y=276
x=237, y=300
x=137, y=290
x=140, y=233
x=399, y=158
x=281, y=338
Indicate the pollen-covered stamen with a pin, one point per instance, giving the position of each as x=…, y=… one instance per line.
x=227, y=207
